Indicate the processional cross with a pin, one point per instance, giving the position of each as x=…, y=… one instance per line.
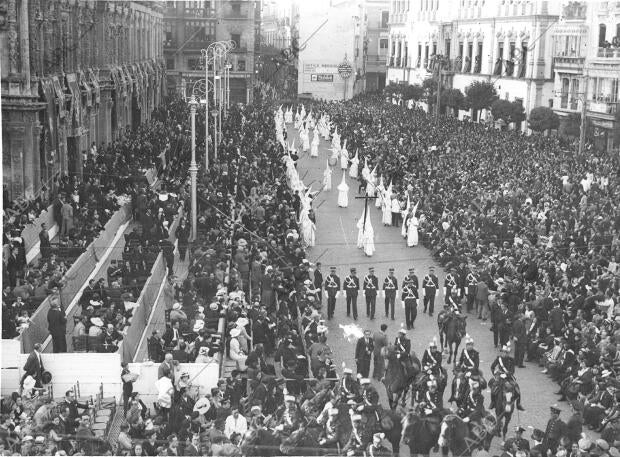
x=366, y=198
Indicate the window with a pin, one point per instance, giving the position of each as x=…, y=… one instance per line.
x=236, y=37
x=193, y=64
x=385, y=18
x=448, y=43
x=235, y=9
x=168, y=33
x=170, y=64
x=602, y=31
x=241, y=65
x=383, y=43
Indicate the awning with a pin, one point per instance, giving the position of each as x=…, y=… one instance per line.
x=94, y=80
x=85, y=86
x=60, y=96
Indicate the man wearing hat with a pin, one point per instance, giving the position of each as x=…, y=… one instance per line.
x=288, y=416
x=402, y=345
x=351, y=288
x=348, y=385
x=432, y=357
x=554, y=431
x=518, y=439
x=470, y=358
x=34, y=366
x=371, y=285
x=449, y=286
x=390, y=286
x=410, y=298
x=331, y=435
x=332, y=286
x=460, y=387
x=503, y=367
x=370, y=398
x=431, y=401
x=363, y=353
x=356, y=444
x=538, y=448
x=376, y=448
x=471, y=281
x=430, y=283
x=473, y=407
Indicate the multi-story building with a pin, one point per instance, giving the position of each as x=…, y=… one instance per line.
x=503, y=41
x=586, y=60
x=278, y=21
x=74, y=72
x=192, y=25
x=331, y=33
x=376, y=44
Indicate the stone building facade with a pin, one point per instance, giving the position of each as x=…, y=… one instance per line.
x=74, y=72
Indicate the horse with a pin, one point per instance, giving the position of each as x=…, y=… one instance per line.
x=312, y=407
x=399, y=374
x=421, y=433
x=260, y=442
x=302, y=441
x=451, y=327
x=504, y=407
x=463, y=438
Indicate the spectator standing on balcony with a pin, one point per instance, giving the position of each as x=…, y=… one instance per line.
x=57, y=326
x=44, y=241
x=66, y=213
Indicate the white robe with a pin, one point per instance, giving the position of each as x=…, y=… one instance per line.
x=366, y=236
x=354, y=168
x=344, y=159
x=379, y=192
x=343, y=193
x=327, y=178
x=237, y=354
x=308, y=229
x=314, y=150
x=412, y=231
x=386, y=209
x=306, y=140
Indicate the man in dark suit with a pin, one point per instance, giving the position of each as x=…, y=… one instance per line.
x=363, y=353
x=57, y=326
x=182, y=235
x=520, y=336
x=556, y=319
x=318, y=282
x=371, y=285
x=34, y=366
x=45, y=245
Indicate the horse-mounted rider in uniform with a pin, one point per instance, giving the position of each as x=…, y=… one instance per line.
x=432, y=357
x=450, y=285
x=332, y=430
x=369, y=399
x=472, y=411
x=348, y=387
x=431, y=400
x=288, y=417
x=503, y=368
x=402, y=345
x=460, y=387
x=357, y=442
x=470, y=358
x=376, y=448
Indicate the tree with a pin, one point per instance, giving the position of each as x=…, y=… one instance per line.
x=413, y=92
x=453, y=98
x=617, y=129
x=571, y=127
x=430, y=90
x=480, y=95
x=392, y=89
x=543, y=118
x=518, y=112
x=502, y=109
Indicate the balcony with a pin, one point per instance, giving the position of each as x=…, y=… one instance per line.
x=603, y=107
x=608, y=53
x=574, y=11
x=569, y=62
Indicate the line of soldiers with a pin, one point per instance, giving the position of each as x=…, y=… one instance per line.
x=410, y=293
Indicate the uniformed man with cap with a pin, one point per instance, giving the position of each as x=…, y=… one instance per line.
x=470, y=358
x=390, y=286
x=554, y=430
x=348, y=385
x=471, y=281
x=538, y=449
x=332, y=431
x=356, y=444
x=430, y=283
x=370, y=286
x=432, y=357
x=431, y=401
x=450, y=286
x=460, y=387
x=376, y=448
x=351, y=288
x=473, y=407
x=518, y=439
x=369, y=398
x=503, y=367
x=410, y=298
x=402, y=345
x=289, y=416
x=332, y=286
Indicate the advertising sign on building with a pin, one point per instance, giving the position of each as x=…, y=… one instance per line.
x=322, y=78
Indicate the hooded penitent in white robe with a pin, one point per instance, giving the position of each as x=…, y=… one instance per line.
x=386, y=206
x=314, y=146
x=354, y=168
x=344, y=157
x=379, y=192
x=327, y=177
x=412, y=231
x=288, y=116
x=343, y=192
x=365, y=235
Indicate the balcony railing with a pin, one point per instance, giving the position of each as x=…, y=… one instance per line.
x=603, y=107
x=569, y=60
x=608, y=53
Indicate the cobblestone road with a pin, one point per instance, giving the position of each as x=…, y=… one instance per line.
x=336, y=246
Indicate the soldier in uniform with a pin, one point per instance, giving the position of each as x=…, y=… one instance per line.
x=390, y=286
x=450, y=286
x=431, y=401
x=471, y=281
x=348, y=385
x=460, y=387
x=503, y=367
x=430, y=283
x=470, y=358
x=370, y=398
x=289, y=416
x=352, y=287
x=473, y=407
x=363, y=353
x=332, y=286
x=331, y=434
x=371, y=285
x=554, y=431
x=410, y=298
x=402, y=344
x=432, y=358
x=356, y=444
x=518, y=439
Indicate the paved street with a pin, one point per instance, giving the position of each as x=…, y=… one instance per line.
x=336, y=245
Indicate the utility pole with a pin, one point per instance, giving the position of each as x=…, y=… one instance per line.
x=584, y=110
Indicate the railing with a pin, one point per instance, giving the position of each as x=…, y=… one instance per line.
x=608, y=53
x=569, y=60
x=603, y=107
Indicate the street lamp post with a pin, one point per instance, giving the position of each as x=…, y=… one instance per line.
x=193, y=167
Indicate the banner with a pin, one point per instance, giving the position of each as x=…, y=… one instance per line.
x=50, y=133
x=75, y=114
